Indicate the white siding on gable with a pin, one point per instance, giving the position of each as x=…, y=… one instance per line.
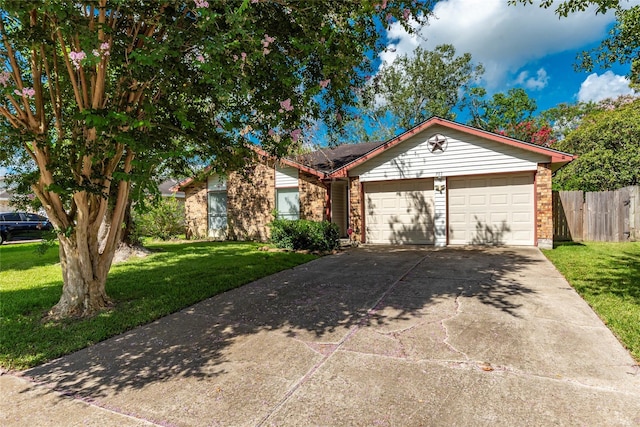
x=465, y=155
x=216, y=182
x=286, y=177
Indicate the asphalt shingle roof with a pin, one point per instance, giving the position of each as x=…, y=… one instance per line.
x=329, y=159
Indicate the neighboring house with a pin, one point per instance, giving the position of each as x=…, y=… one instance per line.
x=440, y=183
x=168, y=189
x=5, y=196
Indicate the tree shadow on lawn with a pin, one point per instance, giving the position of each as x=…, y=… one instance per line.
x=318, y=302
x=24, y=256
x=617, y=274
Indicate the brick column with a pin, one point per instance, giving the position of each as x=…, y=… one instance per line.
x=195, y=210
x=544, y=207
x=313, y=197
x=355, y=209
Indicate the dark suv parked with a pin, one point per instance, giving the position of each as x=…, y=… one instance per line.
x=22, y=226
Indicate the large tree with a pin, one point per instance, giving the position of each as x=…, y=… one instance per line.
x=100, y=93
x=415, y=87
x=608, y=148
x=510, y=114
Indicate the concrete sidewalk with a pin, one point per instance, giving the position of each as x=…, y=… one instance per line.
x=372, y=337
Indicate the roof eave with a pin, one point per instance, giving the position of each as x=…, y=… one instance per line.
x=556, y=157
x=292, y=163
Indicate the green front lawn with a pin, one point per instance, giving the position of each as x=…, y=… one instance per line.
x=176, y=276
x=607, y=275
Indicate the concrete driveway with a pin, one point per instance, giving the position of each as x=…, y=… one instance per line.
x=371, y=337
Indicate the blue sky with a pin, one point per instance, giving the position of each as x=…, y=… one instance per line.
x=520, y=46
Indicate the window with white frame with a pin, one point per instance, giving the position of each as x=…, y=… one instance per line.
x=288, y=203
x=217, y=204
x=287, y=194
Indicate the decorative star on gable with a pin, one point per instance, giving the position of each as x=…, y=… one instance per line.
x=437, y=143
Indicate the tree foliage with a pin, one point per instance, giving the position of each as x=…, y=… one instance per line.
x=100, y=94
x=162, y=220
x=512, y=115
x=417, y=87
x=608, y=147
x=502, y=111
x=622, y=45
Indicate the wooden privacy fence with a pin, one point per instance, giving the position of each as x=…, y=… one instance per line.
x=605, y=216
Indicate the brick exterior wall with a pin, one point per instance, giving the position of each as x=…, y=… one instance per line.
x=251, y=202
x=251, y=197
x=355, y=211
x=544, y=207
x=313, y=197
x=195, y=209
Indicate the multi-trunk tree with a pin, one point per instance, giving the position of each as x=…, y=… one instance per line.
x=99, y=94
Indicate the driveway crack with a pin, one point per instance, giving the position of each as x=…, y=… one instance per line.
x=458, y=305
x=330, y=351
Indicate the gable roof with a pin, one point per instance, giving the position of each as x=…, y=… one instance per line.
x=336, y=162
x=557, y=158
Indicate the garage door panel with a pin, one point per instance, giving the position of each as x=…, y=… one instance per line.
x=478, y=200
x=498, y=182
x=521, y=199
x=521, y=180
x=498, y=217
x=498, y=199
x=500, y=211
x=477, y=183
x=399, y=212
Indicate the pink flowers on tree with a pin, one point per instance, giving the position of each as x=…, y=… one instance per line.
x=286, y=105
x=26, y=91
x=201, y=3
x=4, y=78
x=295, y=134
x=76, y=58
x=103, y=51
x=266, y=41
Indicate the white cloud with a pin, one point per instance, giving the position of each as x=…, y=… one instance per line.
x=608, y=85
x=533, y=83
x=503, y=38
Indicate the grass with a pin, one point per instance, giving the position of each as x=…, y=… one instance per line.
x=175, y=276
x=607, y=275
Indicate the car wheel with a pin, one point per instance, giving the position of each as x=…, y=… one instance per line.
x=1, y=238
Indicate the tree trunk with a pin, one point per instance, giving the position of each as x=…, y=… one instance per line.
x=84, y=257
x=84, y=279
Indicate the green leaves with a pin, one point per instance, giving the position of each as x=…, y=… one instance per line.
x=623, y=42
x=414, y=88
x=608, y=148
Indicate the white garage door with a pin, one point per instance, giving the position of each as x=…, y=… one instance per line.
x=493, y=209
x=399, y=211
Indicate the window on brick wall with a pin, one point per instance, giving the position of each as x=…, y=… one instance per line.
x=217, y=210
x=288, y=203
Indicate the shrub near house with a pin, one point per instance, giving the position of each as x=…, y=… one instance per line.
x=305, y=234
x=163, y=221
